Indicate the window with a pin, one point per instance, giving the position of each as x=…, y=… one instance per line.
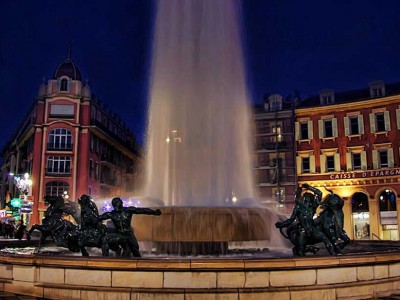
x=305, y=164
x=304, y=131
x=56, y=188
x=59, y=165
x=262, y=127
x=278, y=194
x=275, y=102
x=327, y=99
x=383, y=158
x=377, y=92
x=330, y=163
x=377, y=89
x=380, y=122
x=277, y=134
x=354, y=129
x=387, y=201
x=356, y=161
x=62, y=110
x=64, y=84
x=328, y=128
x=90, y=168
x=96, y=171
x=60, y=139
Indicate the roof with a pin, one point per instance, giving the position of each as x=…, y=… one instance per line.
x=68, y=68
x=351, y=96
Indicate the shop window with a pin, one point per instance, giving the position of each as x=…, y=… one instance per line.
x=387, y=201
x=360, y=215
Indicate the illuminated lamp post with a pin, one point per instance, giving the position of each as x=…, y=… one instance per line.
x=22, y=203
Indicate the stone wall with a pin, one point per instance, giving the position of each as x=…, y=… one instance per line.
x=340, y=277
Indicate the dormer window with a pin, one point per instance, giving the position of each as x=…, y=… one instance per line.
x=377, y=89
x=275, y=102
x=64, y=85
x=327, y=97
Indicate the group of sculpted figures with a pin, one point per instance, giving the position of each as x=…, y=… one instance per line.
x=302, y=228
x=305, y=231
x=89, y=230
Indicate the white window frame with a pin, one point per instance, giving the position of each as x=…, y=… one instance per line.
x=59, y=165
x=373, y=121
x=60, y=138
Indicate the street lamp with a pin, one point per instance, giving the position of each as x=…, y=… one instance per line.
x=23, y=183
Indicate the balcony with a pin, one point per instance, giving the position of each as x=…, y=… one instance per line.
x=59, y=147
x=55, y=173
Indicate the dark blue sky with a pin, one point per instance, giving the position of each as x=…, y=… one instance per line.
x=290, y=45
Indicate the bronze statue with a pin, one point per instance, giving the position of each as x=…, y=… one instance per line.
x=54, y=224
x=89, y=231
x=304, y=231
x=121, y=218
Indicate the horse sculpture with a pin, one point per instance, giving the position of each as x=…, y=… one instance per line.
x=54, y=224
x=304, y=231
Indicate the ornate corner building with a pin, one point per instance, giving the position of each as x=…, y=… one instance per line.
x=71, y=144
x=350, y=143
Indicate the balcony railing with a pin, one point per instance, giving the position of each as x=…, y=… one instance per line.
x=54, y=173
x=59, y=147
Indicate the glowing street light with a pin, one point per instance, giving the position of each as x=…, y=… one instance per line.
x=23, y=183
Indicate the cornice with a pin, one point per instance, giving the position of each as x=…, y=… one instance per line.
x=306, y=111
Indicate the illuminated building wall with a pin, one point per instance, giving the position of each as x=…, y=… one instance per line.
x=70, y=142
x=349, y=142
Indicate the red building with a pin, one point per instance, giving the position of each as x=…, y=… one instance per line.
x=275, y=157
x=70, y=143
x=349, y=142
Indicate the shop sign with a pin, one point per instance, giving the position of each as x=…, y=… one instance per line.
x=365, y=174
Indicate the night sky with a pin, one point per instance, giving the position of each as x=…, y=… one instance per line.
x=289, y=45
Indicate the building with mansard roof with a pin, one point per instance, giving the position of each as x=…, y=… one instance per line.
x=70, y=144
x=349, y=142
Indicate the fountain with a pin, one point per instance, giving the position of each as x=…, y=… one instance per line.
x=199, y=161
x=200, y=173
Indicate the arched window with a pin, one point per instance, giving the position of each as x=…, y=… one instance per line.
x=56, y=188
x=360, y=215
x=58, y=165
x=60, y=139
x=387, y=201
x=64, y=84
x=359, y=203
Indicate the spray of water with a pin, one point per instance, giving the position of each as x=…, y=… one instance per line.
x=199, y=145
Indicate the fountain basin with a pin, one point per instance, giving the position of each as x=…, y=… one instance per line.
x=202, y=230
x=360, y=276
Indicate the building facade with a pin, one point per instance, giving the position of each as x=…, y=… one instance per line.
x=70, y=144
x=274, y=152
x=350, y=143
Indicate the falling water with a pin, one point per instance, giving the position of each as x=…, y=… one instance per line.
x=199, y=145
